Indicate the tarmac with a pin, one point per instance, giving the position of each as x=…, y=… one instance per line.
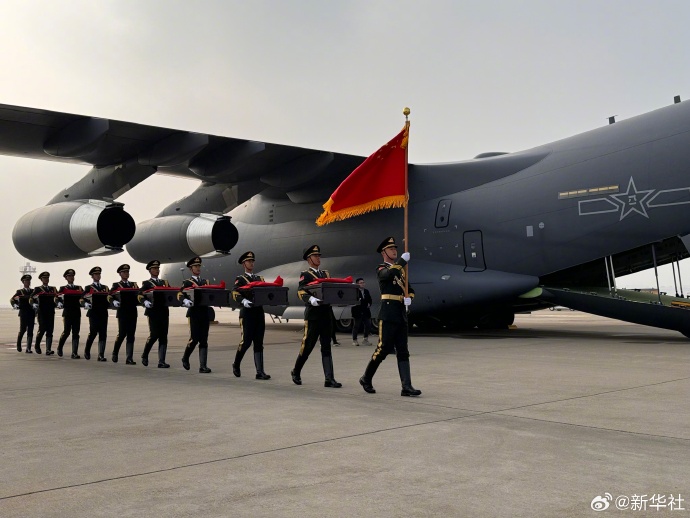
x=534, y=421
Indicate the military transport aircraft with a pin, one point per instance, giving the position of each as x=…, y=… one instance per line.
x=491, y=236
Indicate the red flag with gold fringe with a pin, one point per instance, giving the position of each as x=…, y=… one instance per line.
x=378, y=183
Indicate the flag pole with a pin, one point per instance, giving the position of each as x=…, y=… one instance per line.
x=406, y=113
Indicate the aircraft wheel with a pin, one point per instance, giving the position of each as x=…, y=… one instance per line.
x=344, y=325
x=375, y=324
x=499, y=319
x=460, y=324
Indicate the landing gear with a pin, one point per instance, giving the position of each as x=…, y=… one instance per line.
x=497, y=319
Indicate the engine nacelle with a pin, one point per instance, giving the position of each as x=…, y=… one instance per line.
x=73, y=230
x=180, y=237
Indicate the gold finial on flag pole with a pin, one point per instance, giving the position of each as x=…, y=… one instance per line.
x=406, y=112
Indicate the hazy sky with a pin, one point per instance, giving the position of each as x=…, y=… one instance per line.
x=478, y=76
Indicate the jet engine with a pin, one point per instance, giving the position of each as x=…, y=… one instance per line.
x=73, y=230
x=180, y=237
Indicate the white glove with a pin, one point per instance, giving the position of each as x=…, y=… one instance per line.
x=15, y=306
x=314, y=301
x=116, y=303
x=87, y=305
x=247, y=303
x=60, y=305
x=406, y=256
x=35, y=306
x=407, y=301
x=147, y=304
x=187, y=303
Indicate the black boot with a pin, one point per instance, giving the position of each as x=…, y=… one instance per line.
x=116, y=350
x=75, y=348
x=368, y=377
x=87, y=347
x=297, y=371
x=49, y=346
x=259, y=363
x=406, y=380
x=29, y=339
x=162, y=349
x=19, y=343
x=61, y=344
x=101, y=351
x=145, y=355
x=203, y=356
x=238, y=360
x=327, y=362
x=185, y=357
x=38, y=346
x=130, y=354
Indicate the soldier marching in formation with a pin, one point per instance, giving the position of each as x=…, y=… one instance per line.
x=27, y=315
x=252, y=320
x=44, y=300
x=318, y=319
x=158, y=315
x=199, y=318
x=392, y=318
x=97, y=313
x=318, y=316
x=71, y=313
x=126, y=315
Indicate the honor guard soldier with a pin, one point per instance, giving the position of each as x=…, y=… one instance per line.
x=126, y=316
x=27, y=315
x=392, y=318
x=97, y=313
x=199, y=318
x=159, y=318
x=252, y=320
x=71, y=315
x=44, y=299
x=318, y=319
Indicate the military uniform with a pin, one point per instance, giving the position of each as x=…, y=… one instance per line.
x=45, y=297
x=126, y=315
x=199, y=318
x=71, y=317
x=27, y=315
x=252, y=323
x=318, y=320
x=159, y=320
x=392, y=323
x=97, y=314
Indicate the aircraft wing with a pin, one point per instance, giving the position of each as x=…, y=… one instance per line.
x=82, y=219
x=78, y=139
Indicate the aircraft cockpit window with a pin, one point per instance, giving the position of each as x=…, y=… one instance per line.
x=594, y=191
